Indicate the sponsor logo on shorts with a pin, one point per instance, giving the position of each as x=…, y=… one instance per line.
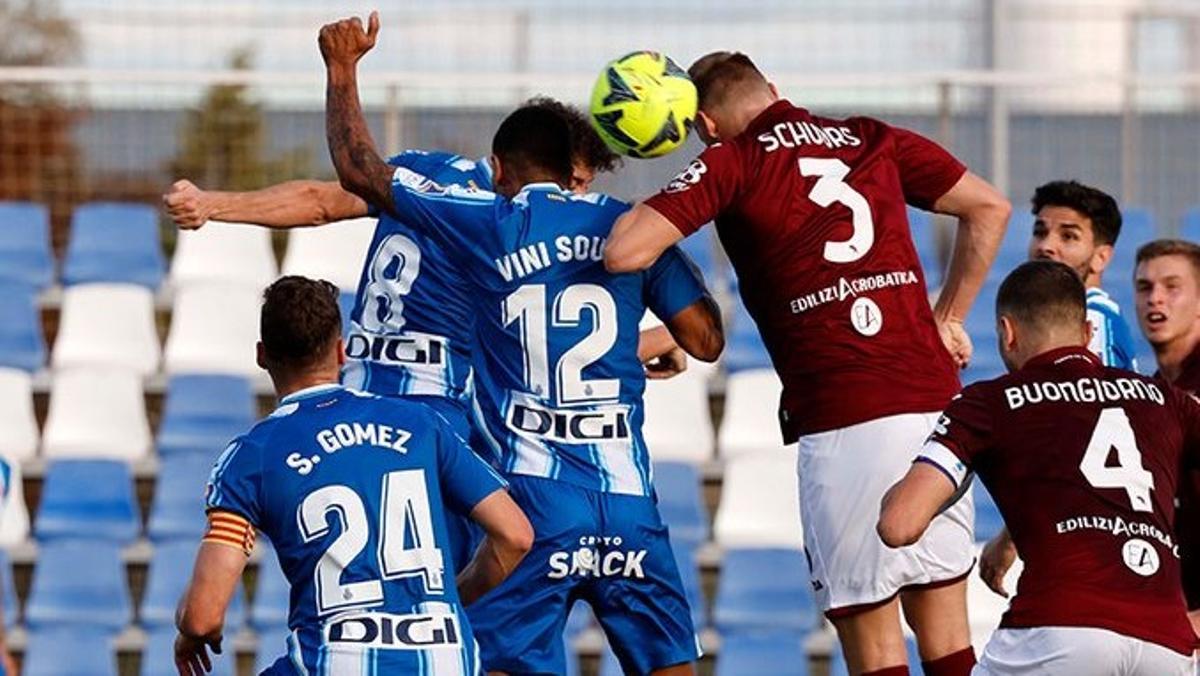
x=598, y=557
x=394, y=632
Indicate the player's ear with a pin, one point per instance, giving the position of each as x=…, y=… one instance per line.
x=1101, y=257
x=774, y=90
x=707, y=128
x=1087, y=332
x=1006, y=331
x=497, y=169
x=260, y=353
x=341, y=353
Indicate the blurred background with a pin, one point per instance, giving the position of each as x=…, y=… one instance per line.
x=126, y=348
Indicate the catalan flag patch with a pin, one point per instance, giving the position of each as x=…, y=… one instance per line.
x=232, y=530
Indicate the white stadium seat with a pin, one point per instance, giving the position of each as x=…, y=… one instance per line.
x=224, y=252
x=678, y=424
x=14, y=520
x=20, y=438
x=334, y=252
x=751, y=422
x=214, y=328
x=96, y=413
x=107, y=325
x=760, y=504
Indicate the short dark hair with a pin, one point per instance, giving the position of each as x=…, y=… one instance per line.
x=534, y=143
x=718, y=74
x=1043, y=294
x=300, y=318
x=1097, y=205
x=1170, y=247
x=586, y=145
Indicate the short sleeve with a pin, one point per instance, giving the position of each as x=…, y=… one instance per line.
x=464, y=477
x=702, y=190
x=927, y=170
x=672, y=284
x=235, y=484
x=454, y=216
x=962, y=432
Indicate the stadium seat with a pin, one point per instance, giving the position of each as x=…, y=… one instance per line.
x=84, y=499
x=204, y=412
x=107, y=325
x=158, y=659
x=751, y=422
x=334, y=252
x=177, y=510
x=21, y=343
x=78, y=582
x=678, y=422
x=272, y=595
x=73, y=651
x=988, y=521
x=744, y=349
x=167, y=578
x=14, y=522
x=17, y=419
x=25, y=255
x=779, y=653
x=214, y=328
x=272, y=645
x=760, y=504
x=681, y=501
x=924, y=237
x=1189, y=229
x=98, y=414
x=609, y=666
x=579, y=619
x=763, y=589
x=9, y=589
x=224, y=252
x=114, y=242
x=1137, y=228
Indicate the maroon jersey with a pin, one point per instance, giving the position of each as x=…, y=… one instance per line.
x=811, y=211
x=1187, y=516
x=1083, y=462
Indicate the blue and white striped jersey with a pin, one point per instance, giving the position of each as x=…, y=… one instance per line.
x=1111, y=339
x=350, y=489
x=410, y=329
x=558, y=384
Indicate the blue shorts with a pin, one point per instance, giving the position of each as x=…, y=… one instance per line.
x=464, y=534
x=609, y=550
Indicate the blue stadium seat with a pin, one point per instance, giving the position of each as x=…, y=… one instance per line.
x=166, y=579
x=177, y=510
x=837, y=662
x=21, y=343
x=159, y=657
x=78, y=582
x=272, y=593
x=689, y=575
x=88, y=499
x=25, y=255
x=114, y=242
x=764, y=589
x=1137, y=228
x=988, y=521
x=744, y=349
x=204, y=412
x=77, y=651
x=1189, y=229
x=609, y=666
x=681, y=502
x=9, y=590
x=925, y=240
x=272, y=644
x=346, y=305
x=777, y=652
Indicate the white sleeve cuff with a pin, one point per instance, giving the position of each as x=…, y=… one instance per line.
x=936, y=454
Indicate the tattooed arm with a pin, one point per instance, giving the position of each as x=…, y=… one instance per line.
x=360, y=168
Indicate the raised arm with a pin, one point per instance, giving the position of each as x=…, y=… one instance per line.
x=292, y=204
x=509, y=538
x=982, y=219
x=360, y=168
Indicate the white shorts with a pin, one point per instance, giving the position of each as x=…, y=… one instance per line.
x=1079, y=651
x=843, y=476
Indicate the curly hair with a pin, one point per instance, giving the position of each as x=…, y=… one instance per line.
x=586, y=145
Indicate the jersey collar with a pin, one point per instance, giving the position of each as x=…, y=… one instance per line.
x=309, y=392
x=1064, y=356
x=770, y=115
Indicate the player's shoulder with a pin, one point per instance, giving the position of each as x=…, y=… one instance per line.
x=1098, y=300
x=446, y=168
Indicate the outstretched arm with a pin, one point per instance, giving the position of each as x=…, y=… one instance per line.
x=360, y=168
x=290, y=204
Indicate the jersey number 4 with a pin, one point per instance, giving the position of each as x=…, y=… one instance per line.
x=831, y=187
x=1114, y=432
x=404, y=517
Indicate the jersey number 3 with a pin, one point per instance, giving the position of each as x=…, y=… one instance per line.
x=1114, y=432
x=831, y=187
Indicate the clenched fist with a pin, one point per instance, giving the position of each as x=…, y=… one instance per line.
x=956, y=340
x=344, y=42
x=187, y=205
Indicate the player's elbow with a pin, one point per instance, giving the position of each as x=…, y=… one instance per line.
x=620, y=257
x=708, y=346
x=516, y=538
x=198, y=619
x=895, y=528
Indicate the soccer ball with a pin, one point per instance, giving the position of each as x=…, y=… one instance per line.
x=643, y=104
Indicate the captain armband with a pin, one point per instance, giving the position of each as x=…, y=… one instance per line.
x=231, y=530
